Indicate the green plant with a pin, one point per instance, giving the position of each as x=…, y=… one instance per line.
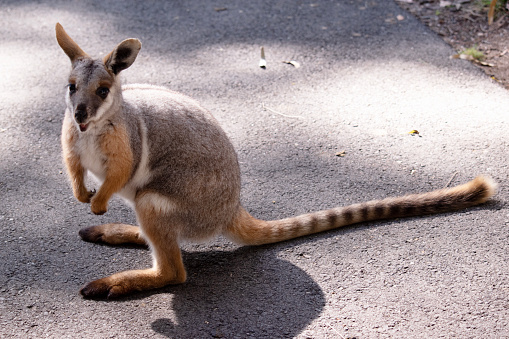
x=474, y=52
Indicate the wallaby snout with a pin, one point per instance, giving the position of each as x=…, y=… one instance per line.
x=81, y=114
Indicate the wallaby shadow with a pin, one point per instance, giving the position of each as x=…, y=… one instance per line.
x=247, y=292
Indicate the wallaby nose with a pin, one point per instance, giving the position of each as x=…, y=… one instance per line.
x=81, y=113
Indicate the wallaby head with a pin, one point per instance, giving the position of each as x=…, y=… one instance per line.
x=93, y=89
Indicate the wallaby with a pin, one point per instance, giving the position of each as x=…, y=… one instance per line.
x=169, y=158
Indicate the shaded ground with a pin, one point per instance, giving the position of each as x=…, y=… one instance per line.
x=464, y=24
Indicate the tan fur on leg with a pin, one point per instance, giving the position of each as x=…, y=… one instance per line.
x=114, y=234
x=167, y=269
x=123, y=283
x=162, y=238
x=116, y=148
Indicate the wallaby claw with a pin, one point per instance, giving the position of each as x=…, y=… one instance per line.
x=101, y=289
x=86, y=197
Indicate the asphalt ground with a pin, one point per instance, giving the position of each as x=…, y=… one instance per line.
x=369, y=74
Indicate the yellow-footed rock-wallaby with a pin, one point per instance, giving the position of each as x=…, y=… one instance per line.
x=168, y=157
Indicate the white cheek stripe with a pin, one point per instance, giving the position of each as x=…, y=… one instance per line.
x=68, y=101
x=142, y=175
x=106, y=105
x=70, y=109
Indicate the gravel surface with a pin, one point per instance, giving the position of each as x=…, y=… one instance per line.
x=369, y=73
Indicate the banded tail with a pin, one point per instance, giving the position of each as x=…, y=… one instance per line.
x=251, y=231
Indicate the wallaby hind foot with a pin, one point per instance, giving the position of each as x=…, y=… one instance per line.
x=113, y=234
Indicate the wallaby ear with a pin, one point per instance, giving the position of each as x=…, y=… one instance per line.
x=122, y=56
x=73, y=51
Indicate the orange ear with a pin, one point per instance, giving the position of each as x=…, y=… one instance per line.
x=73, y=51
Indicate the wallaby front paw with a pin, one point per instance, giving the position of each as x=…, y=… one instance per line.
x=85, y=196
x=99, y=207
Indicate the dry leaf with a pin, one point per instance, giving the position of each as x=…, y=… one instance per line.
x=463, y=57
x=471, y=58
x=293, y=63
x=484, y=63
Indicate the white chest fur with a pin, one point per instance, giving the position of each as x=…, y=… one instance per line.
x=91, y=156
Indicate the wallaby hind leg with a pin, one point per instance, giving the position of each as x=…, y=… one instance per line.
x=167, y=269
x=113, y=234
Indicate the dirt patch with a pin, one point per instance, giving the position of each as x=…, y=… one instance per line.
x=464, y=25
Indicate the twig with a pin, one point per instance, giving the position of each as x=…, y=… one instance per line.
x=336, y=331
x=471, y=12
x=276, y=112
x=450, y=180
x=500, y=22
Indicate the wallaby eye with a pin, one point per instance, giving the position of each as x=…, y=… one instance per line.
x=102, y=92
x=72, y=88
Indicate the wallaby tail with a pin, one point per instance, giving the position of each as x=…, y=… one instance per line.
x=251, y=231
